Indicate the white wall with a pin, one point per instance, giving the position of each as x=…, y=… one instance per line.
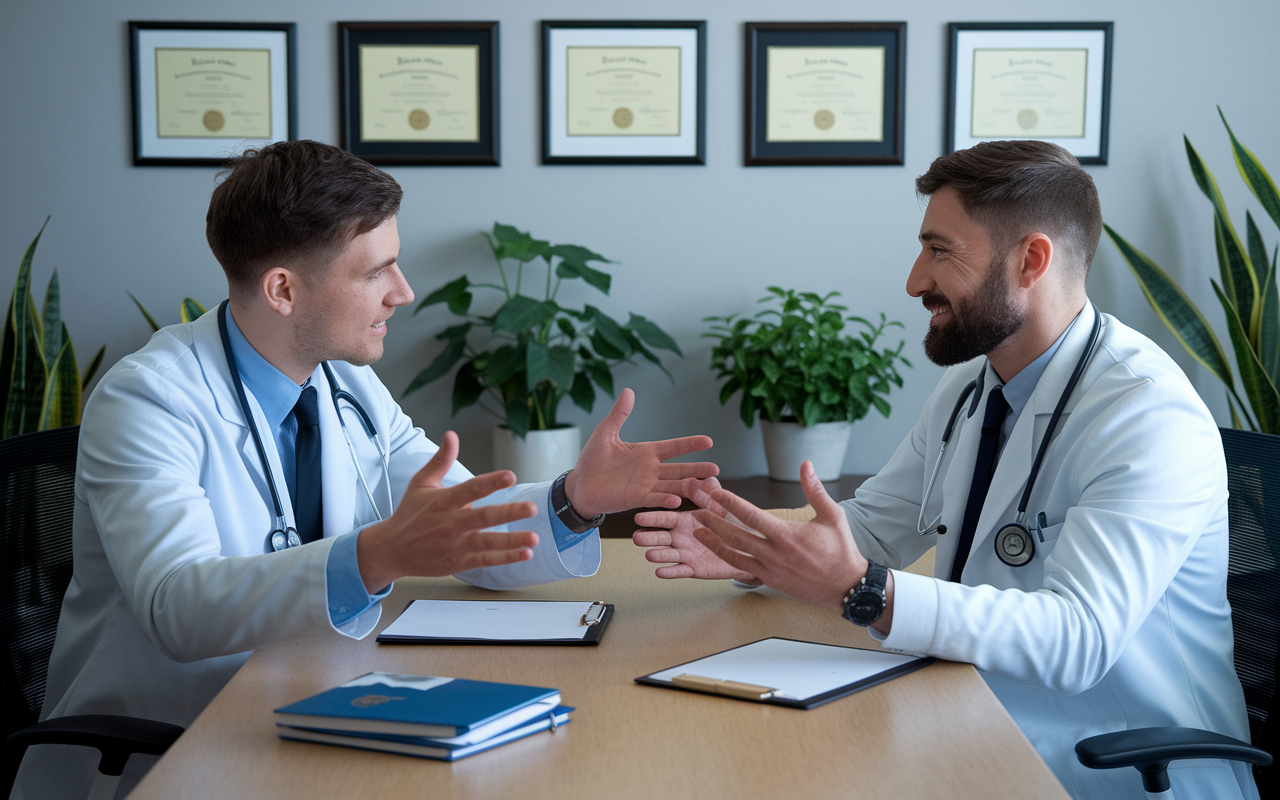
x=691, y=241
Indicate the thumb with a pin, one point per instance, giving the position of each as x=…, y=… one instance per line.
x=612, y=424
x=433, y=473
x=816, y=493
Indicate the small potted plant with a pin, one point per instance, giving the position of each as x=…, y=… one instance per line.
x=529, y=353
x=806, y=378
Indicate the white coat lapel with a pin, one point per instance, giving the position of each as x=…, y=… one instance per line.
x=207, y=343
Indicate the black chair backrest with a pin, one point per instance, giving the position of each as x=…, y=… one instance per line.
x=1253, y=583
x=37, y=498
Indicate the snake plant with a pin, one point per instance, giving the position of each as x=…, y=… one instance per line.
x=40, y=383
x=1247, y=292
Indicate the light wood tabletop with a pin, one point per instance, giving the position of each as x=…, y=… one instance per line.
x=937, y=732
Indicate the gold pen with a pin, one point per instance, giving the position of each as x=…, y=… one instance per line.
x=746, y=691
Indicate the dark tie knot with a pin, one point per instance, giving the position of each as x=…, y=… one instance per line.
x=306, y=409
x=997, y=408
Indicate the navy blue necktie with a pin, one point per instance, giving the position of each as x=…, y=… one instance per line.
x=308, y=513
x=984, y=466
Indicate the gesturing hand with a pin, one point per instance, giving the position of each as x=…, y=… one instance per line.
x=815, y=561
x=435, y=531
x=673, y=541
x=613, y=475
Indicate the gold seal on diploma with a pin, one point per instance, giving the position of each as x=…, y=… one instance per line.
x=1027, y=119
x=213, y=120
x=419, y=119
x=623, y=118
x=823, y=120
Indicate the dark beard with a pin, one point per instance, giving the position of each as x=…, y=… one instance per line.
x=978, y=325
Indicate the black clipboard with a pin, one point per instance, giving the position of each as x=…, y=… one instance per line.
x=812, y=701
x=595, y=629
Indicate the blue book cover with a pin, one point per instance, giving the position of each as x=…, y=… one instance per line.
x=424, y=747
x=413, y=705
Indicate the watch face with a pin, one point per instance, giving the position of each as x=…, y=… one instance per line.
x=865, y=608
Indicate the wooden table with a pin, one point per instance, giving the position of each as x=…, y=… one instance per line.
x=938, y=732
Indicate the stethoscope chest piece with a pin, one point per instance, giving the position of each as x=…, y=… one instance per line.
x=282, y=539
x=1014, y=545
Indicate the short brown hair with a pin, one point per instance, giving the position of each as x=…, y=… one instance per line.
x=1019, y=187
x=294, y=203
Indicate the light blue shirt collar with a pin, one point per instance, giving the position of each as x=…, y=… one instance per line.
x=1019, y=389
x=274, y=391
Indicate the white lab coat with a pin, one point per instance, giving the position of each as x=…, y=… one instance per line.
x=174, y=586
x=1121, y=620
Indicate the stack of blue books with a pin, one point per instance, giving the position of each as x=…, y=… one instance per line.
x=415, y=715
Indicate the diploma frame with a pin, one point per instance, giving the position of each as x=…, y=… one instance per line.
x=482, y=151
x=688, y=146
x=145, y=38
x=1094, y=37
x=758, y=151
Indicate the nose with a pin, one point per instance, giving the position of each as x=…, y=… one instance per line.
x=918, y=280
x=401, y=293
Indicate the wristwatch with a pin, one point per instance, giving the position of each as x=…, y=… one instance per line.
x=564, y=510
x=865, y=601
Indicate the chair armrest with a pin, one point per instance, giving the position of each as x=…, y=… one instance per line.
x=1150, y=750
x=116, y=737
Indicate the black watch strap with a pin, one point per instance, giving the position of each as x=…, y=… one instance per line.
x=865, y=600
x=564, y=510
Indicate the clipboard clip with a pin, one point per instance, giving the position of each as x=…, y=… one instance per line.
x=593, y=615
x=746, y=691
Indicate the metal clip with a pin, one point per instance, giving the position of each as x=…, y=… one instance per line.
x=593, y=614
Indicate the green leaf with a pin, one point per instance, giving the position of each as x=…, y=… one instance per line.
x=612, y=332
x=523, y=314
x=453, y=293
x=61, y=405
x=652, y=334
x=577, y=255
x=191, y=310
x=1255, y=175
x=604, y=348
x=583, y=393
x=29, y=373
x=1236, y=271
x=466, y=388
x=439, y=367
x=600, y=373
x=92, y=369
x=454, y=332
x=507, y=242
x=505, y=363
x=155, y=326
x=518, y=417
x=1176, y=310
x=1269, y=325
x=598, y=279
x=553, y=364
x=562, y=364
x=537, y=363
x=732, y=385
x=51, y=323
x=1257, y=386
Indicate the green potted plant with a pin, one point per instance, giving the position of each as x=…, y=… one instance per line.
x=519, y=360
x=40, y=382
x=1247, y=293
x=804, y=376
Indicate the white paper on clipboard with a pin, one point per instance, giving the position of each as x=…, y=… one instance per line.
x=498, y=620
x=795, y=670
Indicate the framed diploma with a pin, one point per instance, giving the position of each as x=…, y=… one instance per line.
x=624, y=92
x=205, y=91
x=421, y=93
x=824, y=93
x=1036, y=80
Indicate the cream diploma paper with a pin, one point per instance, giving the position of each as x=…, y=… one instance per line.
x=419, y=93
x=623, y=91
x=213, y=93
x=825, y=94
x=1029, y=93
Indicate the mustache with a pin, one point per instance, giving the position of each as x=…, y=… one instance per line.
x=934, y=299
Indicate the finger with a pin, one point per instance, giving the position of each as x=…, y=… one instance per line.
x=816, y=494
x=733, y=535
x=479, y=487
x=482, y=541
x=663, y=556
x=612, y=423
x=651, y=538
x=495, y=558
x=727, y=554
x=699, y=491
x=432, y=474
x=658, y=519
x=674, y=571
x=684, y=470
x=478, y=519
x=670, y=448
x=749, y=514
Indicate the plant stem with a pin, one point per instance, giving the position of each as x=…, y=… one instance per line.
x=549, y=294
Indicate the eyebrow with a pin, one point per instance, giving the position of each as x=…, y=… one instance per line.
x=930, y=236
x=383, y=265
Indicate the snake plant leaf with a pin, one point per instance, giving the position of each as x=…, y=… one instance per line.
x=51, y=323
x=29, y=371
x=1231, y=280
x=1258, y=387
x=92, y=369
x=1236, y=272
x=155, y=326
x=1175, y=309
x=62, y=392
x=191, y=310
x=1255, y=175
x=1269, y=325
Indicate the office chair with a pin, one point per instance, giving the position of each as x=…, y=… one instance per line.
x=1253, y=588
x=37, y=497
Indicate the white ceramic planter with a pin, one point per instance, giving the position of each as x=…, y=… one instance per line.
x=787, y=445
x=540, y=456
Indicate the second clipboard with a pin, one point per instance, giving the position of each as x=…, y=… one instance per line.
x=553, y=622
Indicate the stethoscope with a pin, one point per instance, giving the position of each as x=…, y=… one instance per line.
x=1014, y=544
x=282, y=534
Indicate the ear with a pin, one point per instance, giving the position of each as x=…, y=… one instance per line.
x=1035, y=252
x=279, y=288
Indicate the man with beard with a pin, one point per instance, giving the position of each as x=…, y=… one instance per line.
x=1079, y=507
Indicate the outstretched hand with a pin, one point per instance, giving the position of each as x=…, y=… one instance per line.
x=613, y=475
x=434, y=531
x=671, y=538
x=815, y=561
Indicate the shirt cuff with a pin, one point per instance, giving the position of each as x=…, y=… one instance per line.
x=343, y=584
x=564, y=537
x=915, y=614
